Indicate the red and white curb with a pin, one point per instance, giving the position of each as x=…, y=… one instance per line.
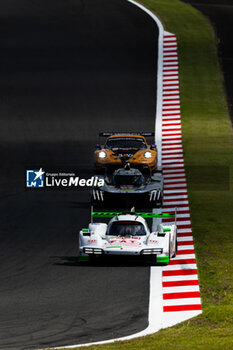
x=180, y=287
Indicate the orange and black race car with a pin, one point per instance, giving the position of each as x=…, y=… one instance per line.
x=122, y=148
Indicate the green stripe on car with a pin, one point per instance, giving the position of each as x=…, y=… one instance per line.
x=116, y=246
x=162, y=259
x=144, y=215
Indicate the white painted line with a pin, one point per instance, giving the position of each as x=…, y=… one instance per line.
x=180, y=289
x=171, y=157
x=169, y=49
x=175, y=183
x=170, y=63
x=175, y=202
x=169, y=193
x=188, y=222
x=171, y=133
x=169, y=66
x=177, y=180
x=170, y=93
x=180, y=277
x=171, y=78
x=172, y=142
x=171, y=119
x=171, y=100
x=170, y=72
x=173, y=171
x=185, y=229
x=180, y=185
x=167, y=44
x=186, y=238
x=179, y=267
x=174, y=208
x=183, y=257
x=168, y=88
x=168, y=40
x=184, y=247
x=182, y=215
x=185, y=301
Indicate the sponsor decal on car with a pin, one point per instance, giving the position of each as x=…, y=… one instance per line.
x=126, y=242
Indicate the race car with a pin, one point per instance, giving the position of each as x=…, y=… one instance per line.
x=127, y=233
x=128, y=187
x=122, y=147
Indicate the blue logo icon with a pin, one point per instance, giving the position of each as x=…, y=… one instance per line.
x=35, y=178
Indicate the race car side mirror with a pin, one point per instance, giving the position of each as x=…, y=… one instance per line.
x=98, y=146
x=160, y=231
x=153, y=146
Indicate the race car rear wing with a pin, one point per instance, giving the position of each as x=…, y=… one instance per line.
x=106, y=214
x=146, y=134
x=145, y=215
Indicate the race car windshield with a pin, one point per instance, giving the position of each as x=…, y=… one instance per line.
x=133, y=180
x=125, y=143
x=125, y=228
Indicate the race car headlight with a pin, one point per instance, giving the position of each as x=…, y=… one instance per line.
x=87, y=250
x=152, y=251
x=102, y=154
x=148, y=154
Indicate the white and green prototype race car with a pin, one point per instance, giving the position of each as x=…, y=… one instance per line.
x=127, y=233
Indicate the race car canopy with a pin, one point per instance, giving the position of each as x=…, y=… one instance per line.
x=106, y=214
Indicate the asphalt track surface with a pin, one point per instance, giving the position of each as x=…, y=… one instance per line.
x=68, y=69
x=220, y=13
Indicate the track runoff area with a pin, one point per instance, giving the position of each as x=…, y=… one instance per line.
x=174, y=289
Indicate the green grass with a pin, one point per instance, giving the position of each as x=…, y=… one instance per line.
x=207, y=140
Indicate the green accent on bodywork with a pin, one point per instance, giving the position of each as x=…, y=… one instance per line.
x=166, y=229
x=162, y=259
x=85, y=229
x=116, y=246
x=83, y=258
x=107, y=214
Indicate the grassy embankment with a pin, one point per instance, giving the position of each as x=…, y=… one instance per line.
x=207, y=139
